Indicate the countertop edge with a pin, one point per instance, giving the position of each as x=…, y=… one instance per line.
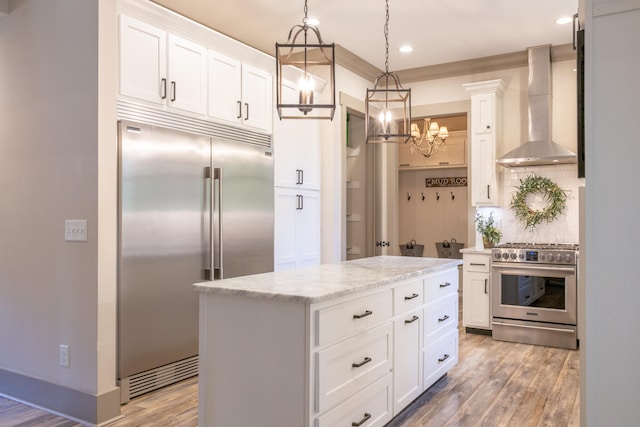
x=217, y=287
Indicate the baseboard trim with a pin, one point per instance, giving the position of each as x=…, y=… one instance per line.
x=478, y=331
x=76, y=405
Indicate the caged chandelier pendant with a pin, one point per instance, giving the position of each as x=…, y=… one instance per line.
x=312, y=65
x=388, y=104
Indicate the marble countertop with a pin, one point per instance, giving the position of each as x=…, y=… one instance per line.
x=328, y=281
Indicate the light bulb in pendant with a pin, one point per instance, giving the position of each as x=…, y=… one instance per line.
x=305, y=91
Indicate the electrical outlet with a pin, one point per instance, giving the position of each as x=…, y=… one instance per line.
x=64, y=355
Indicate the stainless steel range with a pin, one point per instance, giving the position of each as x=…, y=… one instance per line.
x=534, y=293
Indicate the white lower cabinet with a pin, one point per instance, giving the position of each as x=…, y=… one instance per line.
x=296, y=228
x=376, y=353
x=407, y=375
x=353, y=360
x=476, y=304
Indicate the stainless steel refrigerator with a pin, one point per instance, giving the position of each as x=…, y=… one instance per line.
x=191, y=208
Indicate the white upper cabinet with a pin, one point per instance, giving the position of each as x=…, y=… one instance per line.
x=187, y=75
x=297, y=150
x=486, y=111
x=240, y=93
x=162, y=68
x=143, y=60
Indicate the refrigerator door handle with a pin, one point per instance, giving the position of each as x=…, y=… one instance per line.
x=206, y=224
x=217, y=224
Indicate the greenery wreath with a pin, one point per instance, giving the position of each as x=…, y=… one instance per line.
x=555, y=197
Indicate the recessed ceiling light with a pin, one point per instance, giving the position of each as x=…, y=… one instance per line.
x=406, y=49
x=313, y=21
x=564, y=20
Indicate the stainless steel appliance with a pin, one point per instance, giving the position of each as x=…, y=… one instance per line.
x=534, y=293
x=192, y=207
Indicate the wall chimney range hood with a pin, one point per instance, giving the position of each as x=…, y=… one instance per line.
x=539, y=149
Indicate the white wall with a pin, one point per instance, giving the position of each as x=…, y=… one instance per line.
x=52, y=131
x=609, y=354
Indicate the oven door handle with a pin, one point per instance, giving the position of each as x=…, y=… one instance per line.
x=547, y=267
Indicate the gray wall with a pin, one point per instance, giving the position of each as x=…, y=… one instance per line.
x=57, y=162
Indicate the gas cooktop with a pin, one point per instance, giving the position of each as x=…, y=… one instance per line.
x=536, y=253
x=559, y=246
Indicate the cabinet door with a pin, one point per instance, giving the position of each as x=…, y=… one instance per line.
x=297, y=228
x=257, y=89
x=297, y=148
x=285, y=214
x=476, y=303
x=483, y=108
x=407, y=376
x=225, y=87
x=187, y=86
x=143, y=60
x=484, y=190
x=308, y=229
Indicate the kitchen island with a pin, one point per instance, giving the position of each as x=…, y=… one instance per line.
x=351, y=343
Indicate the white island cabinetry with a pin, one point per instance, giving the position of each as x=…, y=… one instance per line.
x=327, y=345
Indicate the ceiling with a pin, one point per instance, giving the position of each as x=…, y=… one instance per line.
x=440, y=31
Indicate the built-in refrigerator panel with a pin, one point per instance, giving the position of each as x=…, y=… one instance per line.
x=243, y=192
x=164, y=243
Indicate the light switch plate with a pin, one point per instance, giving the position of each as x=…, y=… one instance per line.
x=75, y=230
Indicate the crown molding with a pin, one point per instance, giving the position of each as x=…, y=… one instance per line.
x=365, y=70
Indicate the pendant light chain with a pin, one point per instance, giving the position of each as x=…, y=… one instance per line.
x=386, y=38
x=306, y=9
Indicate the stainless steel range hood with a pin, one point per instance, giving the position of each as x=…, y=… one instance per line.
x=539, y=149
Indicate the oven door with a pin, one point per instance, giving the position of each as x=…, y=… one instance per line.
x=540, y=293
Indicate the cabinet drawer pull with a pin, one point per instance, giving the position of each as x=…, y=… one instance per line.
x=362, y=421
x=485, y=285
x=239, y=110
x=364, y=362
x=246, y=109
x=443, y=358
x=445, y=284
x=488, y=191
x=477, y=264
x=173, y=91
x=163, y=82
x=413, y=319
x=443, y=318
x=365, y=314
x=411, y=296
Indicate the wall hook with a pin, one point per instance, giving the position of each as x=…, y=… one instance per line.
x=408, y=197
x=437, y=196
x=423, y=197
x=453, y=197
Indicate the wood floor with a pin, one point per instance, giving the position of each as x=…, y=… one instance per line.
x=494, y=384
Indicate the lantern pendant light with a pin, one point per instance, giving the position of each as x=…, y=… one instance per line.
x=305, y=73
x=388, y=104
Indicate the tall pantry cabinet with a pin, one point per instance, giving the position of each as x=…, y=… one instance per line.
x=297, y=190
x=486, y=111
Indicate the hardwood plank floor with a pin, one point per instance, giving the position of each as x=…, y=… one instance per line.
x=494, y=384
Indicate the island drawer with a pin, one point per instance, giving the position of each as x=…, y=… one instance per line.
x=479, y=263
x=440, y=315
x=372, y=407
x=344, y=319
x=440, y=356
x=440, y=284
x=345, y=368
x=408, y=296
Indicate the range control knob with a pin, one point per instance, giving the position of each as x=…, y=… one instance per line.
x=559, y=257
x=513, y=255
x=497, y=255
x=505, y=255
x=521, y=255
x=567, y=258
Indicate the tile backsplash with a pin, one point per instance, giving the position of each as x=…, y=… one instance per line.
x=565, y=229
